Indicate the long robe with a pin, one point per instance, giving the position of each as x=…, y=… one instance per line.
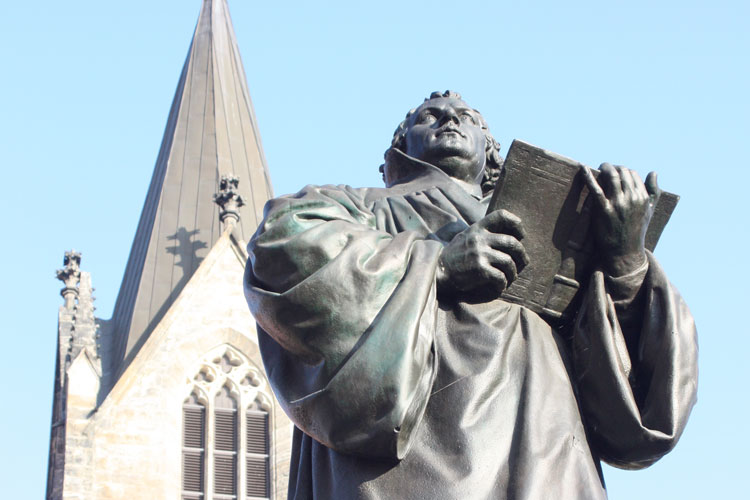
x=399, y=391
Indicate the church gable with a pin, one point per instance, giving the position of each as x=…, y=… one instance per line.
x=186, y=414
x=212, y=301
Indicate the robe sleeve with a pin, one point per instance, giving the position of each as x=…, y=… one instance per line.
x=346, y=317
x=636, y=366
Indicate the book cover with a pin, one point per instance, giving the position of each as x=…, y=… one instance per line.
x=548, y=192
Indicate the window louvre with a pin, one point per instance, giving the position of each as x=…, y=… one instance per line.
x=192, y=467
x=225, y=474
x=226, y=430
x=257, y=432
x=257, y=477
x=193, y=452
x=194, y=423
x=225, y=444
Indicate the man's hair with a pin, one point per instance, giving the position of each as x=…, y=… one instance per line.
x=494, y=164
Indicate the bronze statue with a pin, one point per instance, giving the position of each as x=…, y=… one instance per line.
x=408, y=377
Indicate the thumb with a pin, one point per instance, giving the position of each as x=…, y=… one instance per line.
x=652, y=187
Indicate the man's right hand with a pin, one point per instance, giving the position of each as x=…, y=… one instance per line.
x=486, y=257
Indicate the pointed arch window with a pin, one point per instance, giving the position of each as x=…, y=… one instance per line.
x=227, y=431
x=193, y=448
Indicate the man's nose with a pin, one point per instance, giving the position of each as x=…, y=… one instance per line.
x=450, y=115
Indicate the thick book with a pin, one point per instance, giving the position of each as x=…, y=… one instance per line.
x=549, y=194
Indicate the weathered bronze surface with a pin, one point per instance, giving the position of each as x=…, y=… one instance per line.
x=387, y=340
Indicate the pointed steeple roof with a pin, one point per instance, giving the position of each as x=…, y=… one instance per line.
x=211, y=131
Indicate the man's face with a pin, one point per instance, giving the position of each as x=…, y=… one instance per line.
x=447, y=133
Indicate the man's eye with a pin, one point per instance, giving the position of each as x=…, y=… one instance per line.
x=466, y=117
x=427, y=118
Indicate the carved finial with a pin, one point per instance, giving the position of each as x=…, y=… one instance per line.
x=70, y=275
x=229, y=200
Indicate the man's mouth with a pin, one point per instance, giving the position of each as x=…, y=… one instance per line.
x=450, y=131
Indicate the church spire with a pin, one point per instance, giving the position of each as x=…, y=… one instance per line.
x=211, y=132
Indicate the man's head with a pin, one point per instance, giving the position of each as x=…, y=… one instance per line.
x=447, y=133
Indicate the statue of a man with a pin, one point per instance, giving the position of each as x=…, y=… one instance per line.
x=406, y=375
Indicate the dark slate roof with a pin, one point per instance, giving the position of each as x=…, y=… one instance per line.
x=211, y=131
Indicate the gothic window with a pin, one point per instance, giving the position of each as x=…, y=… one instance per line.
x=227, y=436
x=193, y=448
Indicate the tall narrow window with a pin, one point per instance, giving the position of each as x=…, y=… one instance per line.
x=256, y=453
x=227, y=433
x=225, y=445
x=193, y=448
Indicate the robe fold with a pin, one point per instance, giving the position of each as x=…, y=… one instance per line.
x=398, y=391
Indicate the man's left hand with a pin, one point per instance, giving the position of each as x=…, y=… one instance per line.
x=622, y=209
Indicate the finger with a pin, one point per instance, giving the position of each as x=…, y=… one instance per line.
x=626, y=179
x=503, y=222
x=640, y=186
x=630, y=189
x=594, y=186
x=652, y=186
x=609, y=179
x=504, y=263
x=508, y=244
x=496, y=277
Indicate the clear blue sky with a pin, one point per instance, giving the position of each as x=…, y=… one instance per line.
x=86, y=87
